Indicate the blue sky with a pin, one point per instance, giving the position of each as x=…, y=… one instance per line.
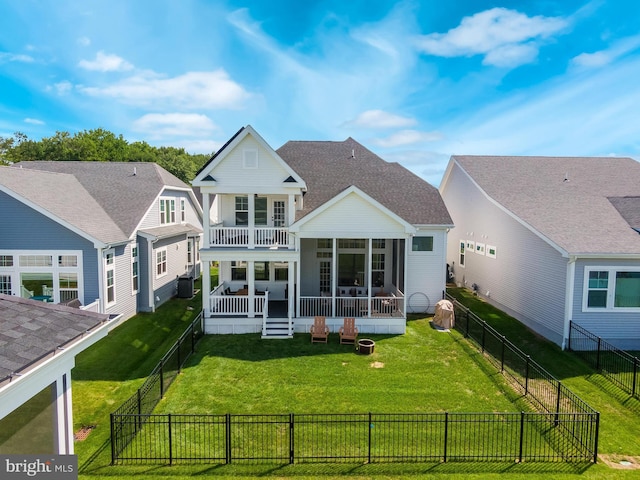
x=414, y=81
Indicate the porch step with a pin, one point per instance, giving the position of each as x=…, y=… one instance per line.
x=277, y=328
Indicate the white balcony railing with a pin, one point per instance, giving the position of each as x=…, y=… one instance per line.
x=221, y=304
x=262, y=237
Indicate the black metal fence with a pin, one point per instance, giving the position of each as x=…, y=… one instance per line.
x=359, y=438
x=618, y=366
x=526, y=376
x=565, y=428
x=152, y=390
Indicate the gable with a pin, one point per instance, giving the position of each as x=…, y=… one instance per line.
x=247, y=164
x=352, y=215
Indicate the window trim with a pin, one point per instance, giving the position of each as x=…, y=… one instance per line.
x=109, y=267
x=418, y=251
x=135, y=274
x=167, y=210
x=611, y=289
x=462, y=251
x=165, y=262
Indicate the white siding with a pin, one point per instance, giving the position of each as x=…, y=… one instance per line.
x=426, y=274
x=528, y=275
x=231, y=176
x=353, y=217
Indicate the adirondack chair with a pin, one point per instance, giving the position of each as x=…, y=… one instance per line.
x=348, y=332
x=319, y=331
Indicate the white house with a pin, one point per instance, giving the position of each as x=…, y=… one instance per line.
x=550, y=240
x=317, y=228
x=113, y=237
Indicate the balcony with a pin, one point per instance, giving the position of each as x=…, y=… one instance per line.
x=245, y=237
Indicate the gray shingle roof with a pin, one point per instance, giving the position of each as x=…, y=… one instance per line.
x=63, y=196
x=125, y=196
x=328, y=168
x=566, y=199
x=30, y=330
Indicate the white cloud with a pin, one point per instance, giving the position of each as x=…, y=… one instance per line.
x=505, y=37
x=174, y=125
x=605, y=57
x=106, y=63
x=61, y=88
x=208, y=90
x=15, y=57
x=33, y=121
x=380, y=119
x=207, y=147
x=407, y=137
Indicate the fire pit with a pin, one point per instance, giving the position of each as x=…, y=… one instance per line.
x=366, y=346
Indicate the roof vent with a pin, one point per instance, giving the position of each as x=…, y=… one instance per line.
x=135, y=171
x=566, y=177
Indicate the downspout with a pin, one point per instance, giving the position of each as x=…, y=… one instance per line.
x=150, y=276
x=568, y=300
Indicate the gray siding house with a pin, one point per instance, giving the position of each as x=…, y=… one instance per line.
x=550, y=240
x=113, y=237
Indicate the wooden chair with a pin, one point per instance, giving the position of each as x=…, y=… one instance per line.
x=319, y=331
x=348, y=332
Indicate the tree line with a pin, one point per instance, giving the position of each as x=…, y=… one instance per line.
x=99, y=145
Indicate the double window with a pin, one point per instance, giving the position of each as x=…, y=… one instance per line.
x=167, y=210
x=161, y=262
x=134, y=269
x=611, y=288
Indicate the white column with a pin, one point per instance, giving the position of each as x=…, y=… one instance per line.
x=292, y=300
x=291, y=217
x=251, y=269
x=206, y=287
x=64, y=415
x=206, y=222
x=252, y=221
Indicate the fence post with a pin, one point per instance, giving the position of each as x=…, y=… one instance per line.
x=291, y=445
x=227, y=437
x=369, y=449
x=467, y=332
x=521, y=436
x=598, y=355
x=595, y=445
x=446, y=434
x=570, y=331
x=139, y=419
x=113, y=440
x=635, y=376
x=502, y=356
x=526, y=376
x=170, y=443
x=162, y=378
x=179, y=345
x=484, y=330
x=557, y=417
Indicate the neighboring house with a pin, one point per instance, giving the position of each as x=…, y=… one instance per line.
x=550, y=240
x=111, y=236
x=317, y=228
x=38, y=345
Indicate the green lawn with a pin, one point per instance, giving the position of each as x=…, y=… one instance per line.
x=424, y=370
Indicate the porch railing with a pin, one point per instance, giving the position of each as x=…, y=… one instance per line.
x=267, y=237
x=391, y=306
x=221, y=304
